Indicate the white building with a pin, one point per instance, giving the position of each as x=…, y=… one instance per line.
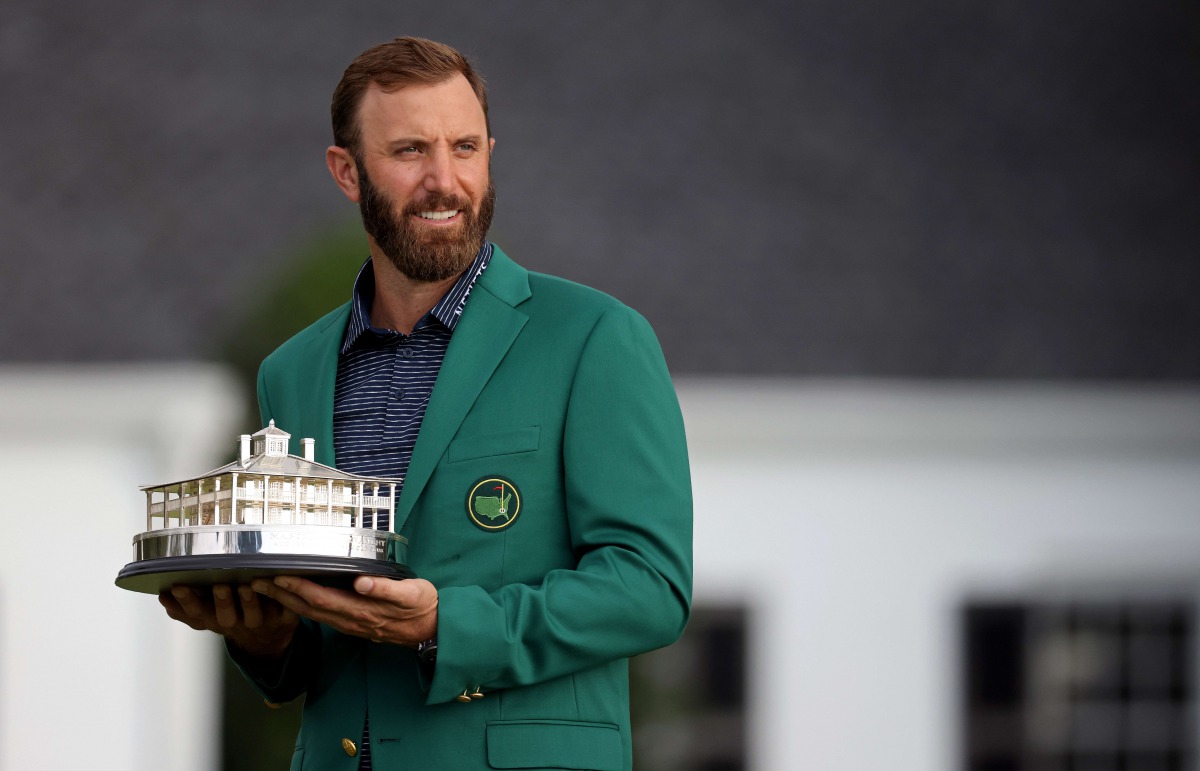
x=853, y=521
x=267, y=485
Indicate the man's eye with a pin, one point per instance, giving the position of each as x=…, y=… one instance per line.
x=466, y=147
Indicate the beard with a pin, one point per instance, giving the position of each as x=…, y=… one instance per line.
x=424, y=255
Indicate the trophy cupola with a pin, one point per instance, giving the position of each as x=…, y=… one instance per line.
x=271, y=441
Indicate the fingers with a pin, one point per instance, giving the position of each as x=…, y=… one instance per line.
x=175, y=610
x=261, y=612
x=224, y=606
x=223, y=612
x=248, y=621
x=296, y=595
x=189, y=601
x=252, y=611
x=184, y=604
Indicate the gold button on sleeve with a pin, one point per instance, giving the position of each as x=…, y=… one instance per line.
x=464, y=697
x=350, y=747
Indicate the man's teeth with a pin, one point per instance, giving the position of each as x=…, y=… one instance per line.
x=437, y=215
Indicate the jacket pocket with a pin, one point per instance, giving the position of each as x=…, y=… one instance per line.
x=554, y=744
x=496, y=443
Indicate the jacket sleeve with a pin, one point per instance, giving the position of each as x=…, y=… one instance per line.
x=281, y=680
x=630, y=590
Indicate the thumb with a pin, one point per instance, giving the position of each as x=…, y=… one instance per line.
x=381, y=588
x=413, y=594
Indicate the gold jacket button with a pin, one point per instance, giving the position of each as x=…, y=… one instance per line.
x=349, y=747
x=463, y=697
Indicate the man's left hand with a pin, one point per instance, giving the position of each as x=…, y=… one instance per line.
x=380, y=609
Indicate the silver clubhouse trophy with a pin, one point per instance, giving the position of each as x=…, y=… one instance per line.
x=267, y=513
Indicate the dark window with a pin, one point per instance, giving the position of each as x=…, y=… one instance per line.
x=1078, y=685
x=688, y=701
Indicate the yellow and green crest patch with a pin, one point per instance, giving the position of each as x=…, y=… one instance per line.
x=494, y=503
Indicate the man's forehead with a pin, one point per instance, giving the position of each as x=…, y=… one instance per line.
x=450, y=103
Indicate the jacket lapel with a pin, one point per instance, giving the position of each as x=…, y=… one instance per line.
x=489, y=325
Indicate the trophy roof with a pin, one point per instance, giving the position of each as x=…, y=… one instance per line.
x=272, y=430
x=279, y=466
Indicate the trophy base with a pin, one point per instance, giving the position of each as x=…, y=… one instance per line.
x=236, y=554
x=159, y=575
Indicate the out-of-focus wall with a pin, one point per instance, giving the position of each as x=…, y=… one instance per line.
x=853, y=519
x=92, y=676
x=856, y=518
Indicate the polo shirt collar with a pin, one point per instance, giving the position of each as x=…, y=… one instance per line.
x=447, y=310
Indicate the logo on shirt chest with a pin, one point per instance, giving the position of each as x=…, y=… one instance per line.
x=493, y=503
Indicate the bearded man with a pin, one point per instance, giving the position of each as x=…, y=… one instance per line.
x=460, y=371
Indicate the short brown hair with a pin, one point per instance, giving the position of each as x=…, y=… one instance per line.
x=404, y=61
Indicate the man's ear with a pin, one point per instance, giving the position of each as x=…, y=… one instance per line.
x=344, y=170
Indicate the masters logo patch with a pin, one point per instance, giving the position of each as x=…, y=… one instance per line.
x=494, y=503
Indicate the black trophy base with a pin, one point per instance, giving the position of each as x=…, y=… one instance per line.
x=154, y=576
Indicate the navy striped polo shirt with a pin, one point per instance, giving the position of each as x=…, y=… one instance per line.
x=384, y=380
x=385, y=377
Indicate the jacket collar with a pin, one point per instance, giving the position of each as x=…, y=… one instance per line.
x=447, y=311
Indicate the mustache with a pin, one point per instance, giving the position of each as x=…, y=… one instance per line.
x=438, y=201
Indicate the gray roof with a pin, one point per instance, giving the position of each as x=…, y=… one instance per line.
x=874, y=188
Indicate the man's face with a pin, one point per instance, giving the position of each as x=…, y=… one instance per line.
x=425, y=192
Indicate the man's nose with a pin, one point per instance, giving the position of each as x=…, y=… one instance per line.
x=439, y=177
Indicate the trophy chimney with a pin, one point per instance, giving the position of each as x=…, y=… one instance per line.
x=243, y=448
x=309, y=446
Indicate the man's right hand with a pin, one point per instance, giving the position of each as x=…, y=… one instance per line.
x=257, y=625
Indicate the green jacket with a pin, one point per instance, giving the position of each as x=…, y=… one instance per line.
x=563, y=392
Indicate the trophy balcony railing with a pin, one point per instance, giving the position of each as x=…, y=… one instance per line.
x=189, y=503
x=316, y=497
x=319, y=496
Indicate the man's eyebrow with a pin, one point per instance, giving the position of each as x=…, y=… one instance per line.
x=407, y=142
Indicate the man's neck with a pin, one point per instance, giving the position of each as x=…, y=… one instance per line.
x=399, y=301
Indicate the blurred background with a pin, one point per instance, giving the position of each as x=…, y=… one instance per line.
x=926, y=274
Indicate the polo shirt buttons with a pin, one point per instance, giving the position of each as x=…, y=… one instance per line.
x=350, y=747
x=405, y=353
